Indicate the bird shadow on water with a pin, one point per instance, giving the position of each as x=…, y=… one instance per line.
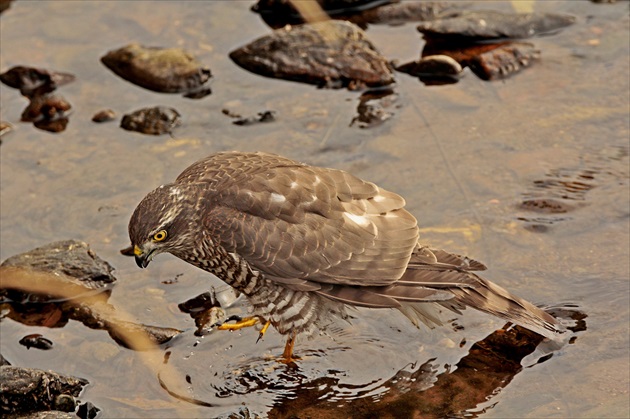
x=315, y=386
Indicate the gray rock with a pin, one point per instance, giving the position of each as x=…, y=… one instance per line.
x=157, y=120
x=329, y=54
x=166, y=70
x=70, y=261
x=24, y=390
x=478, y=25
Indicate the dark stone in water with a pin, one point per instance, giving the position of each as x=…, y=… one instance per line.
x=504, y=61
x=489, y=61
x=411, y=11
x=46, y=108
x=479, y=25
x=152, y=121
x=87, y=411
x=433, y=66
x=261, y=117
x=70, y=261
x=277, y=13
x=27, y=390
x=374, y=108
x=34, y=81
x=36, y=341
x=331, y=7
x=329, y=54
x=105, y=115
x=165, y=70
x=47, y=112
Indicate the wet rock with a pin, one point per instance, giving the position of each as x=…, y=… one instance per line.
x=36, y=341
x=121, y=330
x=206, y=310
x=152, y=121
x=412, y=11
x=65, y=403
x=504, y=61
x=47, y=107
x=3, y=361
x=87, y=411
x=34, y=81
x=264, y=116
x=48, y=414
x=329, y=54
x=479, y=25
x=277, y=13
x=70, y=261
x=90, y=309
x=331, y=7
x=105, y=115
x=47, y=112
x=433, y=67
x=26, y=390
x=374, y=108
x=165, y=70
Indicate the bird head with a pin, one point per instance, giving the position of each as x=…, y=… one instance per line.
x=161, y=223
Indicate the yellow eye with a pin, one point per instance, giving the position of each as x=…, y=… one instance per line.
x=159, y=236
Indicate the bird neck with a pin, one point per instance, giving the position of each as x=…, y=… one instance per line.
x=229, y=267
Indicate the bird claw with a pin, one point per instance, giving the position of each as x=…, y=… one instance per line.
x=240, y=323
x=263, y=331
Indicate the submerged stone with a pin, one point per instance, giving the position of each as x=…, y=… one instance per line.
x=71, y=261
x=34, y=81
x=331, y=7
x=37, y=341
x=105, y=115
x=433, y=66
x=504, y=61
x=374, y=108
x=26, y=390
x=329, y=54
x=411, y=11
x=152, y=121
x=165, y=70
x=478, y=25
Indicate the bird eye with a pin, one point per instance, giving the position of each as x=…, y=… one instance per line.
x=159, y=236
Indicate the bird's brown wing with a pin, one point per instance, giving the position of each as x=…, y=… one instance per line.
x=294, y=221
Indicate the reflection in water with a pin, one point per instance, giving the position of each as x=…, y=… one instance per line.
x=417, y=389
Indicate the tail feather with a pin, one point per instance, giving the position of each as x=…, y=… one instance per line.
x=441, y=270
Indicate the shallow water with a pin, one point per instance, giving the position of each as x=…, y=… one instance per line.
x=464, y=156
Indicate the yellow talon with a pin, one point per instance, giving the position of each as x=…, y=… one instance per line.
x=246, y=322
x=263, y=331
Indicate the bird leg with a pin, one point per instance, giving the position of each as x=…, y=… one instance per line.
x=240, y=323
x=287, y=356
x=263, y=331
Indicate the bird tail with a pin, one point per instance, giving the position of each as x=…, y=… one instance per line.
x=440, y=270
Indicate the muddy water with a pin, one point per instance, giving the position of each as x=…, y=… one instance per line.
x=465, y=156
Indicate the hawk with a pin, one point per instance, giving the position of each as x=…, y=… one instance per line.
x=303, y=243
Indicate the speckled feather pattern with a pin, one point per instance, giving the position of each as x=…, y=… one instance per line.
x=303, y=242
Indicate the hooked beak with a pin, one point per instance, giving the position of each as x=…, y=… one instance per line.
x=142, y=259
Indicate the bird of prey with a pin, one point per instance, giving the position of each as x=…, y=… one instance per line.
x=303, y=243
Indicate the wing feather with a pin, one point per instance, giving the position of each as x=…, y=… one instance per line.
x=292, y=220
